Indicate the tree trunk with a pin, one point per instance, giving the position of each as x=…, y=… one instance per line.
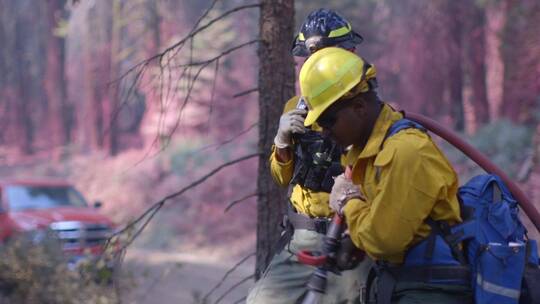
x=24, y=81
x=520, y=50
x=55, y=81
x=113, y=74
x=276, y=86
x=455, y=72
x=476, y=54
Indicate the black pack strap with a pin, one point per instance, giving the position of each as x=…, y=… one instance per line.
x=431, y=274
x=388, y=276
x=367, y=295
x=443, y=229
x=300, y=221
x=386, y=283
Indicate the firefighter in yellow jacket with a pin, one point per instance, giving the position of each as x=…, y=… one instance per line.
x=307, y=162
x=402, y=187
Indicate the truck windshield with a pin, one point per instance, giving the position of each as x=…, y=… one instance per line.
x=41, y=197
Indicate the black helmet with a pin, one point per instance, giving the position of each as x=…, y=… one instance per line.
x=323, y=28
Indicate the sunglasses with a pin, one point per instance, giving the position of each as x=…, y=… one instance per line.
x=329, y=117
x=327, y=121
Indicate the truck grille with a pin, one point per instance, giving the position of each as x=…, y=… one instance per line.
x=81, y=235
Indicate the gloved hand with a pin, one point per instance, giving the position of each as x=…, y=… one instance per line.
x=290, y=122
x=342, y=191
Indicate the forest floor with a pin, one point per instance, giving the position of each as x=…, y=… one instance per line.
x=185, y=277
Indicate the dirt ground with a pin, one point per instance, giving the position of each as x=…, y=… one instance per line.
x=184, y=278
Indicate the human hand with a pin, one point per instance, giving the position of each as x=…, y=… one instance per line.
x=342, y=191
x=289, y=123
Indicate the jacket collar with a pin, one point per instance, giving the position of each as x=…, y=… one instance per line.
x=386, y=118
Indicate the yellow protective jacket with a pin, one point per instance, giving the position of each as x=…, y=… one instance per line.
x=405, y=180
x=311, y=203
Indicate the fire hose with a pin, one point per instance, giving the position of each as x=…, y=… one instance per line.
x=480, y=159
x=325, y=262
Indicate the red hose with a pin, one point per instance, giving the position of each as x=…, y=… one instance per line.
x=481, y=160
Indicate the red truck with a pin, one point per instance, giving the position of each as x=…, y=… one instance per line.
x=39, y=206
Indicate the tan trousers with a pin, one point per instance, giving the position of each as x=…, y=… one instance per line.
x=285, y=279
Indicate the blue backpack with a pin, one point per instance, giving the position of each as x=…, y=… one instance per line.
x=496, y=244
x=493, y=242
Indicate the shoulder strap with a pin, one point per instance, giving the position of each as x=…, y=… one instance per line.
x=402, y=124
x=442, y=229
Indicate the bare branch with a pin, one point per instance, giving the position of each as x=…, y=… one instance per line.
x=220, y=144
x=124, y=102
x=191, y=85
x=526, y=168
x=177, y=121
x=226, y=52
x=233, y=287
x=245, y=92
x=178, y=45
x=184, y=104
x=196, y=25
x=205, y=298
x=205, y=13
x=151, y=212
x=175, y=49
x=230, y=205
x=202, y=28
x=213, y=93
x=241, y=300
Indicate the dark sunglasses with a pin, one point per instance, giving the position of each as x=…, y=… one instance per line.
x=329, y=117
x=327, y=121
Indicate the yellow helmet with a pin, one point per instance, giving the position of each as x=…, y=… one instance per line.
x=329, y=74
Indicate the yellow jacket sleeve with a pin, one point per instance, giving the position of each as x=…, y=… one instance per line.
x=411, y=177
x=281, y=172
